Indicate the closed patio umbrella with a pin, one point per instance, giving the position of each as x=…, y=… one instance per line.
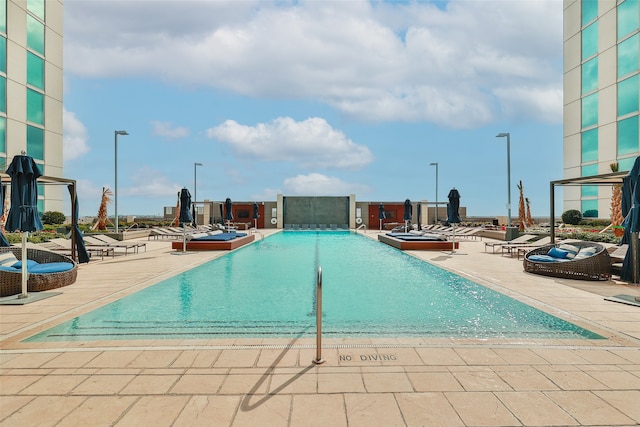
x=3, y=239
x=631, y=223
x=228, y=216
x=381, y=214
x=185, y=215
x=78, y=241
x=453, y=216
x=256, y=214
x=408, y=213
x=23, y=213
x=419, y=214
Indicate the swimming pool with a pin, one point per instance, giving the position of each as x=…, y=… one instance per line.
x=268, y=289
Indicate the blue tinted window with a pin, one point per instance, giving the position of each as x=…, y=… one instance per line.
x=590, y=41
x=3, y=16
x=628, y=96
x=590, y=145
x=590, y=75
x=40, y=207
x=626, y=164
x=35, y=70
x=35, y=142
x=36, y=7
x=35, y=34
x=3, y=136
x=628, y=136
x=3, y=94
x=589, y=11
x=35, y=107
x=590, y=208
x=589, y=190
x=3, y=54
x=590, y=110
x=628, y=56
x=628, y=17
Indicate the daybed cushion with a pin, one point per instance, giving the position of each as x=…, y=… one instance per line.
x=51, y=267
x=586, y=252
x=7, y=259
x=557, y=253
x=222, y=237
x=571, y=249
x=30, y=264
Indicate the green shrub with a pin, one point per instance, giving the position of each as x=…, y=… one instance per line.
x=572, y=217
x=53, y=217
x=591, y=213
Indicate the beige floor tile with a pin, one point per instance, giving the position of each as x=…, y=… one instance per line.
x=626, y=401
x=481, y=409
x=402, y=357
x=372, y=409
x=44, y=411
x=601, y=357
x=520, y=356
x=245, y=384
x=237, y=358
x=427, y=409
x=559, y=356
x=98, y=411
x=279, y=358
x=434, y=381
x=301, y=382
x=113, y=359
x=103, y=385
x=54, y=385
x=150, y=384
x=10, y=404
x=479, y=356
x=207, y=411
x=588, y=408
x=14, y=384
x=321, y=410
x=74, y=359
x=523, y=381
x=196, y=359
x=439, y=356
x=386, y=382
x=535, y=409
x=575, y=381
x=481, y=381
x=154, y=359
x=617, y=380
x=28, y=360
x=154, y=411
x=270, y=410
x=198, y=384
x=340, y=383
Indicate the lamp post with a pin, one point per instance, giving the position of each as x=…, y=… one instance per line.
x=195, y=191
x=115, y=191
x=508, y=135
x=436, y=165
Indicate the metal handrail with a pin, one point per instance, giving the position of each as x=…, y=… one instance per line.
x=318, y=360
x=253, y=230
x=362, y=226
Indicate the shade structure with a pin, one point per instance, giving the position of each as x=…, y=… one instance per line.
x=77, y=240
x=453, y=215
x=185, y=207
x=3, y=191
x=23, y=213
x=228, y=213
x=631, y=223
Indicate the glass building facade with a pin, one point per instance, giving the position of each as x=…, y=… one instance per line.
x=601, y=96
x=31, y=88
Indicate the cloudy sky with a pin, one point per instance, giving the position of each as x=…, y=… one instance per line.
x=313, y=98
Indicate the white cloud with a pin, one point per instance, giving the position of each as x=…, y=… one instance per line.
x=150, y=183
x=311, y=143
x=168, y=130
x=315, y=184
x=74, y=140
x=377, y=61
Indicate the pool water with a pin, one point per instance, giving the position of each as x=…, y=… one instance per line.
x=268, y=289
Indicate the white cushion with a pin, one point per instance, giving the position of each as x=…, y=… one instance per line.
x=571, y=250
x=586, y=252
x=7, y=259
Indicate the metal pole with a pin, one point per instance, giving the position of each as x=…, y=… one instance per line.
x=508, y=180
x=635, y=258
x=552, y=222
x=115, y=192
x=318, y=360
x=436, y=165
x=195, y=191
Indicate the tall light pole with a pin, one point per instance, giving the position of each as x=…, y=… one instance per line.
x=436, y=165
x=195, y=190
x=508, y=135
x=115, y=191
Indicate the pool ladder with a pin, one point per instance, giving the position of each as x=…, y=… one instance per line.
x=318, y=360
x=362, y=226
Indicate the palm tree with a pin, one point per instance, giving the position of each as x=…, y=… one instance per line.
x=521, y=211
x=616, y=199
x=529, y=218
x=102, y=210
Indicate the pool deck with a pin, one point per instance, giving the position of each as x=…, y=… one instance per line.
x=363, y=382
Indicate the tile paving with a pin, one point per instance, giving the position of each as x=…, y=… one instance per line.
x=364, y=382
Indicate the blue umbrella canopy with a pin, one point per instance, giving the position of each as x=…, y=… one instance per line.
x=381, y=214
x=185, y=207
x=78, y=241
x=631, y=223
x=3, y=239
x=227, y=206
x=23, y=214
x=256, y=211
x=453, y=207
x=408, y=210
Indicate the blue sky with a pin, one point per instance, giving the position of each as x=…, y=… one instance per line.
x=313, y=98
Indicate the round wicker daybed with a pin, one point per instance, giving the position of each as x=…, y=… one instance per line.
x=594, y=267
x=11, y=283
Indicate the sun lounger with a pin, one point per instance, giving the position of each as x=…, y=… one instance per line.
x=91, y=241
x=119, y=244
x=521, y=239
x=64, y=245
x=515, y=247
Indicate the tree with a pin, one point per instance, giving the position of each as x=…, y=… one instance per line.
x=616, y=199
x=521, y=210
x=101, y=224
x=52, y=218
x=572, y=217
x=529, y=217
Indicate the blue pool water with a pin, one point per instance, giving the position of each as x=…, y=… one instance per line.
x=268, y=289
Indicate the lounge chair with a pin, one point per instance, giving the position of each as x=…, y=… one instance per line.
x=119, y=244
x=64, y=246
x=91, y=241
x=515, y=247
x=163, y=233
x=521, y=239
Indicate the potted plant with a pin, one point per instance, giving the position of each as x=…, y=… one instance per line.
x=618, y=230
